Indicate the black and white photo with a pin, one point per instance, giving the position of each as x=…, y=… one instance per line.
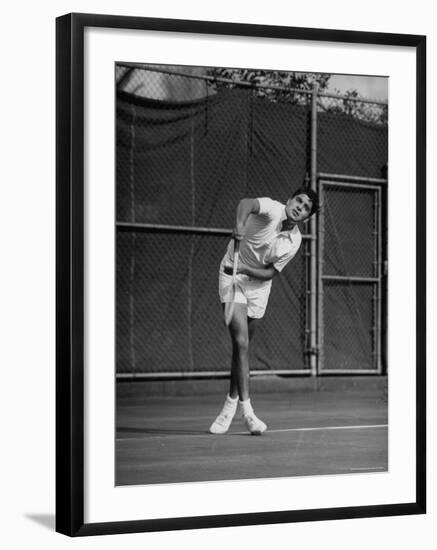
x=290, y=174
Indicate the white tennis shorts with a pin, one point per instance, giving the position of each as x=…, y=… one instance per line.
x=250, y=291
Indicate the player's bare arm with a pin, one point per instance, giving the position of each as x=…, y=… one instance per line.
x=261, y=273
x=244, y=209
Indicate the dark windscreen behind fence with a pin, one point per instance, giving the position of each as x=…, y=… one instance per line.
x=188, y=164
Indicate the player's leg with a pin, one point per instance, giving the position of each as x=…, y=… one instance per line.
x=223, y=421
x=239, y=378
x=242, y=330
x=257, y=302
x=239, y=331
x=234, y=383
x=252, y=325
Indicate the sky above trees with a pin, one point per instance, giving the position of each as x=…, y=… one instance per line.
x=371, y=87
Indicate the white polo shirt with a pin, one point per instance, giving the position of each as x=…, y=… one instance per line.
x=264, y=242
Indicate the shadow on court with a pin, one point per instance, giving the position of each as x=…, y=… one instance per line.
x=165, y=439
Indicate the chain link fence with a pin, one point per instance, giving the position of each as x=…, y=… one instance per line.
x=350, y=282
x=192, y=142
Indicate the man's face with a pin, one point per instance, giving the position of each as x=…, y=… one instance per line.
x=298, y=208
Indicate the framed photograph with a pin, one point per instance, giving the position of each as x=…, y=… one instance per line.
x=240, y=252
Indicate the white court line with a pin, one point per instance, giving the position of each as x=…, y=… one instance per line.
x=319, y=428
x=314, y=429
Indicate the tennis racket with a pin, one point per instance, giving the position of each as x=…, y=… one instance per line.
x=229, y=306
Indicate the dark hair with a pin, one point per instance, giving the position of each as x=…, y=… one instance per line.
x=312, y=195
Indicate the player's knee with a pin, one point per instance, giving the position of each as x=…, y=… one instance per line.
x=241, y=341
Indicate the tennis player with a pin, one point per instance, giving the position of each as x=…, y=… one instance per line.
x=269, y=237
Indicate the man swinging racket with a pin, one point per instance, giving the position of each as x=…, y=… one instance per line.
x=265, y=238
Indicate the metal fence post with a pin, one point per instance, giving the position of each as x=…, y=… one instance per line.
x=320, y=290
x=313, y=232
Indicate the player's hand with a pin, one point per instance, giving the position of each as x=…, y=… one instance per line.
x=238, y=233
x=240, y=269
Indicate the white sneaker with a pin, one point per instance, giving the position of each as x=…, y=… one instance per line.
x=254, y=424
x=221, y=423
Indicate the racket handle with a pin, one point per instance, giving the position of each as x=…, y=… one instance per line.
x=236, y=254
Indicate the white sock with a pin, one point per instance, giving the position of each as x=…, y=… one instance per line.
x=230, y=403
x=246, y=407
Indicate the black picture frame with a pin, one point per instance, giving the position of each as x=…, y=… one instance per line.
x=70, y=273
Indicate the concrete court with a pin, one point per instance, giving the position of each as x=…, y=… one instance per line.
x=164, y=439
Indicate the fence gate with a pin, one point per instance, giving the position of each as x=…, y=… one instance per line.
x=349, y=278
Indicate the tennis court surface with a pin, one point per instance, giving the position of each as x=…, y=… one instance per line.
x=165, y=438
